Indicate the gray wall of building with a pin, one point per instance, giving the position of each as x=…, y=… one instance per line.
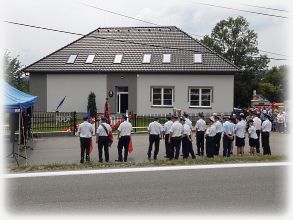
x=115, y=80
x=222, y=92
x=38, y=87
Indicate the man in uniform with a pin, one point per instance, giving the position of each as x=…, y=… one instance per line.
x=175, y=138
x=200, y=128
x=187, y=120
x=124, y=132
x=257, y=125
x=155, y=135
x=240, y=134
x=228, y=130
x=186, y=140
x=266, y=128
x=219, y=130
x=85, y=131
x=102, y=139
x=210, y=135
x=166, y=131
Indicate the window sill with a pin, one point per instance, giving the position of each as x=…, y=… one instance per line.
x=162, y=106
x=201, y=107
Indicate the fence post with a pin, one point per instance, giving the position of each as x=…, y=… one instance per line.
x=74, y=122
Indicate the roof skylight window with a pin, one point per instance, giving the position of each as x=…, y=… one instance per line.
x=118, y=58
x=197, y=58
x=146, y=58
x=90, y=58
x=166, y=58
x=72, y=58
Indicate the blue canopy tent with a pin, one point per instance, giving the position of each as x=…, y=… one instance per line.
x=16, y=101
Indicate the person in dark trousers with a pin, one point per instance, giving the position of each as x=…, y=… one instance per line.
x=124, y=132
x=175, y=138
x=210, y=138
x=85, y=131
x=186, y=140
x=266, y=128
x=102, y=139
x=166, y=132
x=219, y=130
x=257, y=125
x=200, y=128
x=228, y=131
x=155, y=135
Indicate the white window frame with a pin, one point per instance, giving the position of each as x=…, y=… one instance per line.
x=147, y=58
x=162, y=96
x=200, y=97
x=72, y=58
x=90, y=58
x=197, y=58
x=167, y=58
x=118, y=58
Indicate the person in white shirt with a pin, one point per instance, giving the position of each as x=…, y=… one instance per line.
x=266, y=128
x=166, y=132
x=228, y=130
x=200, y=128
x=252, y=137
x=240, y=135
x=186, y=140
x=155, y=135
x=102, y=139
x=219, y=130
x=176, y=131
x=124, y=132
x=187, y=120
x=280, y=122
x=85, y=131
x=257, y=125
x=210, y=136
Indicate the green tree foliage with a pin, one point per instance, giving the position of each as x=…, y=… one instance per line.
x=14, y=74
x=234, y=40
x=274, y=84
x=91, y=106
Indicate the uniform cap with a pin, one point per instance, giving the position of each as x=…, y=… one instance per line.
x=212, y=119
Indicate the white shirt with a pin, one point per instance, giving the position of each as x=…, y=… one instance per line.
x=85, y=130
x=125, y=128
x=240, y=129
x=228, y=127
x=186, y=129
x=280, y=118
x=252, y=132
x=188, y=122
x=257, y=123
x=219, y=127
x=101, y=131
x=155, y=128
x=200, y=125
x=176, y=129
x=266, y=126
x=167, y=126
x=211, y=131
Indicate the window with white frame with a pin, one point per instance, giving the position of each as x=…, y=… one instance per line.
x=162, y=96
x=72, y=58
x=147, y=58
x=90, y=58
x=118, y=58
x=166, y=58
x=197, y=58
x=200, y=97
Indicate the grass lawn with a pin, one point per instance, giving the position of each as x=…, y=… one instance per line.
x=96, y=165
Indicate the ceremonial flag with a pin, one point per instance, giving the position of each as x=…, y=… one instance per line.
x=130, y=147
x=89, y=121
x=60, y=104
x=107, y=115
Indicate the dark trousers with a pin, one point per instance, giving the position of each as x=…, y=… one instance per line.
x=103, y=143
x=217, y=141
x=226, y=146
x=154, y=139
x=167, y=145
x=257, y=141
x=175, y=148
x=84, y=147
x=200, y=142
x=265, y=141
x=123, y=143
x=187, y=148
x=210, y=146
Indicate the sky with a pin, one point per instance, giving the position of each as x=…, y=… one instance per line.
x=31, y=44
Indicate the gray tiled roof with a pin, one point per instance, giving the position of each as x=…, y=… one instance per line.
x=163, y=40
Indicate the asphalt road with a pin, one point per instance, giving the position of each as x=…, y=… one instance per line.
x=244, y=191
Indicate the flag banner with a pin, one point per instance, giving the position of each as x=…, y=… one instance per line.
x=107, y=115
x=89, y=121
x=60, y=104
x=130, y=146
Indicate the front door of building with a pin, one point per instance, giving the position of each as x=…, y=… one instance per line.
x=122, y=99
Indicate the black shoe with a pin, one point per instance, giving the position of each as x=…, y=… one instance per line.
x=166, y=156
x=124, y=161
x=149, y=158
x=119, y=160
x=81, y=161
x=198, y=154
x=193, y=157
x=101, y=161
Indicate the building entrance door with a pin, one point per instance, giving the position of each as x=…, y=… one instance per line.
x=122, y=100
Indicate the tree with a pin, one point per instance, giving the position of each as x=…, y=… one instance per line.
x=91, y=106
x=14, y=74
x=233, y=39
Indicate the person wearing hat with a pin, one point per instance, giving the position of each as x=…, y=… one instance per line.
x=166, y=132
x=266, y=128
x=155, y=130
x=124, y=132
x=219, y=130
x=228, y=130
x=102, y=139
x=210, y=136
x=257, y=125
x=186, y=140
x=85, y=131
x=239, y=130
x=252, y=137
x=187, y=120
x=176, y=131
x=200, y=128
